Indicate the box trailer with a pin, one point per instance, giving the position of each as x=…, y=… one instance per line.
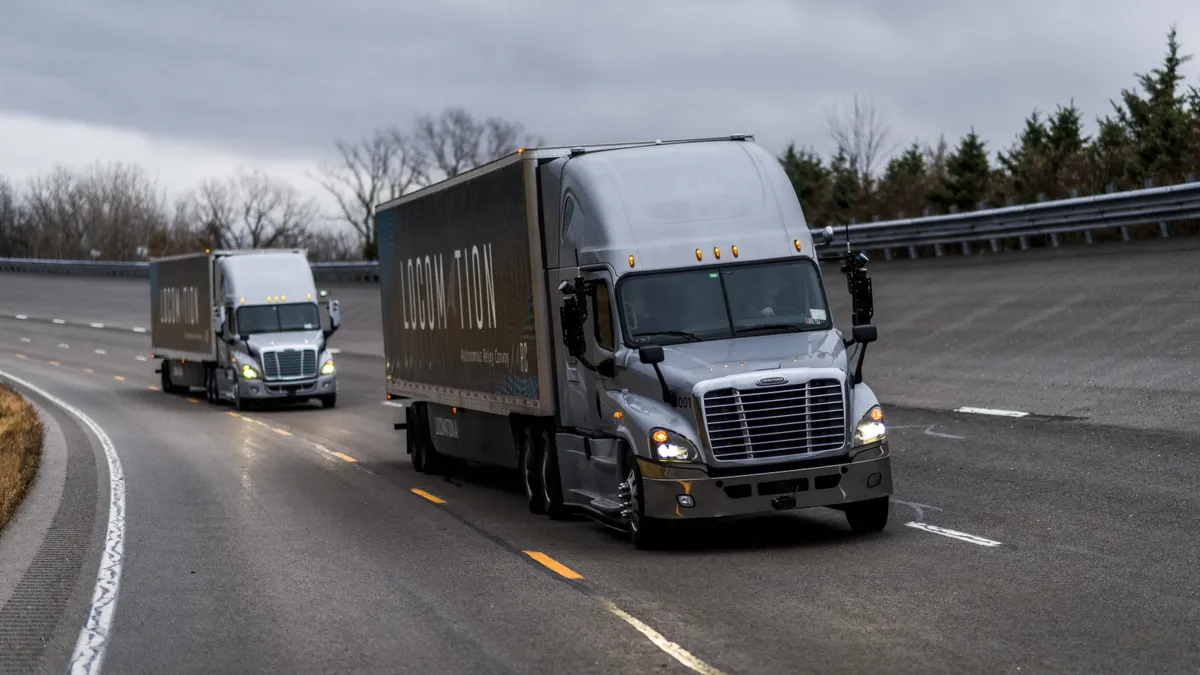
x=640, y=329
x=243, y=325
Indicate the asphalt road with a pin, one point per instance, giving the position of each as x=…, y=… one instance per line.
x=291, y=540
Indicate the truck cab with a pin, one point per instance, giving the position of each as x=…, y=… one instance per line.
x=697, y=332
x=272, y=345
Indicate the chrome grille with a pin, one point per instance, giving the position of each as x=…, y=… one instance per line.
x=780, y=421
x=289, y=364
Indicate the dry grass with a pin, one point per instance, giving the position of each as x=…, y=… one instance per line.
x=21, y=436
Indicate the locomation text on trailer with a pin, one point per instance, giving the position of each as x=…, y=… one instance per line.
x=423, y=292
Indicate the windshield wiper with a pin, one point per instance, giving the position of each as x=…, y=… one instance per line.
x=690, y=337
x=775, y=328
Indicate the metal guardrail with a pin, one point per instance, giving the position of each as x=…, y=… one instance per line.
x=1120, y=210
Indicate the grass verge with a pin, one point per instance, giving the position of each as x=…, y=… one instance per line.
x=21, y=436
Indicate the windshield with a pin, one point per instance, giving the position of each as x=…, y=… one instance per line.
x=721, y=303
x=278, y=318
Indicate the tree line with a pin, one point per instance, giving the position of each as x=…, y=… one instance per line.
x=1151, y=137
x=116, y=212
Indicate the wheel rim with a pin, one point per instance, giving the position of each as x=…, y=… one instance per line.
x=526, y=467
x=546, y=473
x=634, y=507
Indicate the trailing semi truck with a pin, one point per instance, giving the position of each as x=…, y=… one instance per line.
x=245, y=326
x=640, y=329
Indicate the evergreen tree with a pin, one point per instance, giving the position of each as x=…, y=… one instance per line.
x=807, y=173
x=967, y=169
x=1157, y=122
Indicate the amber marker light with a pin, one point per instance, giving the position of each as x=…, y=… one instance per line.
x=699, y=255
x=797, y=243
x=631, y=261
x=734, y=250
x=717, y=252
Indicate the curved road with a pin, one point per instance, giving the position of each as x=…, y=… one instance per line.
x=293, y=540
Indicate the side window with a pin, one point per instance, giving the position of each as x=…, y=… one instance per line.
x=602, y=313
x=567, y=216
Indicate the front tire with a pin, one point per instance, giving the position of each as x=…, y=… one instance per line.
x=868, y=516
x=328, y=401
x=647, y=534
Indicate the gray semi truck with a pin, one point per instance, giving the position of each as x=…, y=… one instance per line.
x=245, y=326
x=641, y=330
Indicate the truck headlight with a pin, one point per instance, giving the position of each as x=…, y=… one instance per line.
x=669, y=446
x=248, y=372
x=871, y=428
x=328, y=368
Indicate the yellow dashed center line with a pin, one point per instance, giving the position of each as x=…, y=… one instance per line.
x=22, y=356
x=344, y=457
x=281, y=432
x=232, y=414
x=119, y=377
x=192, y=400
x=88, y=370
x=54, y=363
x=553, y=565
x=152, y=388
x=433, y=498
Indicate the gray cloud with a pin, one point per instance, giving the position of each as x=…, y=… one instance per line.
x=288, y=78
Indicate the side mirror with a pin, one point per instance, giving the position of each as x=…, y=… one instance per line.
x=865, y=333
x=565, y=287
x=322, y=294
x=651, y=355
x=607, y=368
x=335, y=314
x=827, y=235
x=245, y=338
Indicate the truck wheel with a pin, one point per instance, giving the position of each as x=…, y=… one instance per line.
x=646, y=533
x=210, y=385
x=550, y=479
x=410, y=435
x=239, y=403
x=165, y=384
x=425, y=457
x=531, y=461
x=868, y=516
x=328, y=401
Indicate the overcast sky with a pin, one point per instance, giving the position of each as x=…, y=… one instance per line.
x=199, y=88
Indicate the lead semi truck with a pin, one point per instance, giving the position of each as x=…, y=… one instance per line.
x=243, y=325
x=641, y=330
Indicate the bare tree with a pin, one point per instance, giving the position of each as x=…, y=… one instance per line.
x=383, y=165
x=862, y=135
x=274, y=214
x=455, y=141
x=248, y=210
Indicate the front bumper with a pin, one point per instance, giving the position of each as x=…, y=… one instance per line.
x=323, y=385
x=749, y=494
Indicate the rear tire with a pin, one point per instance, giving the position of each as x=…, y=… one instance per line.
x=551, y=481
x=425, y=457
x=531, y=463
x=868, y=516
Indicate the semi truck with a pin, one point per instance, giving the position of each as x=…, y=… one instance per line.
x=640, y=330
x=244, y=325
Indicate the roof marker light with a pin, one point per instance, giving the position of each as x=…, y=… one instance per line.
x=797, y=243
x=734, y=249
x=631, y=261
x=699, y=255
x=717, y=252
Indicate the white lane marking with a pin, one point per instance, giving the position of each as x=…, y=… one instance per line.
x=141, y=358
x=139, y=330
x=939, y=434
x=22, y=317
x=63, y=345
x=991, y=411
x=101, y=352
x=674, y=650
x=93, y=636
x=26, y=340
x=335, y=351
x=954, y=534
x=59, y=321
x=394, y=404
x=97, y=325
